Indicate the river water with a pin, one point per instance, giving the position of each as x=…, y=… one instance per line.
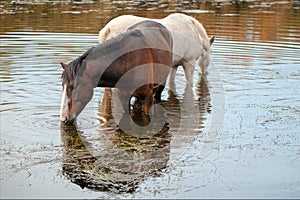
x=235, y=134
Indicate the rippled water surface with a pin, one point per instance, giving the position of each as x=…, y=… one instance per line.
x=234, y=134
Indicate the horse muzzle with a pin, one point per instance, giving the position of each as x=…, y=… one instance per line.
x=67, y=121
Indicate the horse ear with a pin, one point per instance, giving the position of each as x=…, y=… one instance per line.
x=63, y=65
x=211, y=40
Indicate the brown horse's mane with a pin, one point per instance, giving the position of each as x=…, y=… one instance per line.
x=72, y=69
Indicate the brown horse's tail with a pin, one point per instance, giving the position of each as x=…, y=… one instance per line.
x=202, y=32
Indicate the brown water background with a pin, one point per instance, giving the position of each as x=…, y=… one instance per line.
x=255, y=75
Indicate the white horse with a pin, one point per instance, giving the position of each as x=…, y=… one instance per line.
x=191, y=45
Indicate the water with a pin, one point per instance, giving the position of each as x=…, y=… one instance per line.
x=249, y=105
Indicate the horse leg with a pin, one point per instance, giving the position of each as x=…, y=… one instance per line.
x=125, y=101
x=148, y=100
x=172, y=75
x=147, y=103
x=158, y=91
x=189, y=72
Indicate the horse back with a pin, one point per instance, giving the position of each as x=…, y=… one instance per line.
x=155, y=33
x=147, y=44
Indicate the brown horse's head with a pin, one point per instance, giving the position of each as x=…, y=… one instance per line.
x=73, y=101
x=68, y=79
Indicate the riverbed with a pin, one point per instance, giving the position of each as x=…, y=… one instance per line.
x=234, y=134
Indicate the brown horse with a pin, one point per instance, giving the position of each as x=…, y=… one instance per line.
x=136, y=62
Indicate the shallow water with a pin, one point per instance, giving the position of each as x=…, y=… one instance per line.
x=234, y=135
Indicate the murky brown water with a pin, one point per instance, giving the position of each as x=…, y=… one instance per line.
x=256, y=69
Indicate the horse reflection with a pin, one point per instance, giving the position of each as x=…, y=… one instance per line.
x=117, y=161
x=202, y=95
x=185, y=116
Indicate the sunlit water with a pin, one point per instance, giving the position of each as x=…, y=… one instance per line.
x=252, y=86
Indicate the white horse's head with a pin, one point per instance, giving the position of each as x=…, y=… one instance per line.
x=205, y=57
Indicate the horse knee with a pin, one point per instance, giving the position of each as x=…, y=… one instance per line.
x=146, y=107
x=172, y=74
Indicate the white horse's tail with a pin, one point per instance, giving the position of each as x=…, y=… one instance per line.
x=103, y=33
x=118, y=25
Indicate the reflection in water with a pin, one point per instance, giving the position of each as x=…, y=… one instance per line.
x=202, y=94
x=120, y=167
x=122, y=163
x=187, y=120
x=118, y=162
x=236, y=20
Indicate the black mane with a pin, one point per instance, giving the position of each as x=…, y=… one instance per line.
x=71, y=70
